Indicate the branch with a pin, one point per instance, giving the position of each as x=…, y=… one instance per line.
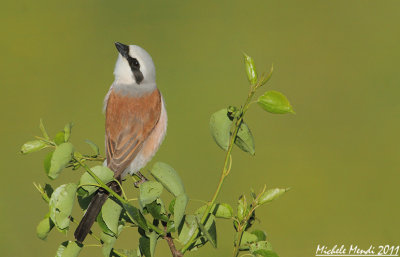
x=171, y=244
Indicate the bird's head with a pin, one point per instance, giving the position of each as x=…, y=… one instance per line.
x=134, y=66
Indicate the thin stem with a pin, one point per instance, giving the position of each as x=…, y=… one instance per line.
x=225, y=169
x=236, y=250
x=122, y=189
x=170, y=242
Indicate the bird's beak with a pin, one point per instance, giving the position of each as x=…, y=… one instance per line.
x=122, y=49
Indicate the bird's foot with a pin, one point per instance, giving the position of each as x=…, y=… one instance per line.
x=142, y=179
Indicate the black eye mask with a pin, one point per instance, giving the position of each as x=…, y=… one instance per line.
x=133, y=62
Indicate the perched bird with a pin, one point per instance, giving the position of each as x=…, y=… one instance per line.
x=136, y=123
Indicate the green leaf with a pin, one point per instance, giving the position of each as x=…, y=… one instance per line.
x=104, y=173
x=265, y=253
x=44, y=227
x=67, y=131
x=47, y=162
x=168, y=177
x=108, y=217
x=271, y=195
x=94, y=147
x=69, y=249
x=261, y=235
x=60, y=205
x=179, y=208
x=153, y=242
x=187, y=229
x=209, y=230
x=260, y=245
x=242, y=208
x=247, y=239
x=108, y=243
x=170, y=226
x=253, y=194
x=172, y=206
x=60, y=159
x=275, y=102
x=84, y=201
x=44, y=132
x=220, y=127
x=244, y=139
x=59, y=138
x=149, y=191
x=33, y=146
x=144, y=246
x=127, y=253
x=157, y=210
x=250, y=69
x=61, y=248
x=135, y=215
x=220, y=210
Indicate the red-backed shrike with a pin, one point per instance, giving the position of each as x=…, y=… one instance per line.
x=136, y=123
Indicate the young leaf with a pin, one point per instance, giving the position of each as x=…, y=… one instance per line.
x=108, y=217
x=179, y=208
x=168, y=177
x=266, y=78
x=94, y=147
x=250, y=69
x=33, y=146
x=271, y=194
x=69, y=249
x=104, y=173
x=247, y=239
x=44, y=132
x=220, y=127
x=135, y=215
x=275, y=102
x=60, y=159
x=44, y=227
x=242, y=208
x=60, y=205
x=67, y=131
x=244, y=139
x=149, y=191
x=59, y=138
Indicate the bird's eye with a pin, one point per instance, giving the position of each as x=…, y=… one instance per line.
x=135, y=62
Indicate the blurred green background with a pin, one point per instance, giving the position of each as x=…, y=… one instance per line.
x=336, y=60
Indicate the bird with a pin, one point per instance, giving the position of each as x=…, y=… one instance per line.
x=135, y=124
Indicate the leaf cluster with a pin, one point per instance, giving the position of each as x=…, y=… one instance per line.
x=153, y=218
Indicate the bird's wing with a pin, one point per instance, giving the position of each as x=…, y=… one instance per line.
x=129, y=121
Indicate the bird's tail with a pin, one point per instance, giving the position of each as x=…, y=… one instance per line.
x=92, y=211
